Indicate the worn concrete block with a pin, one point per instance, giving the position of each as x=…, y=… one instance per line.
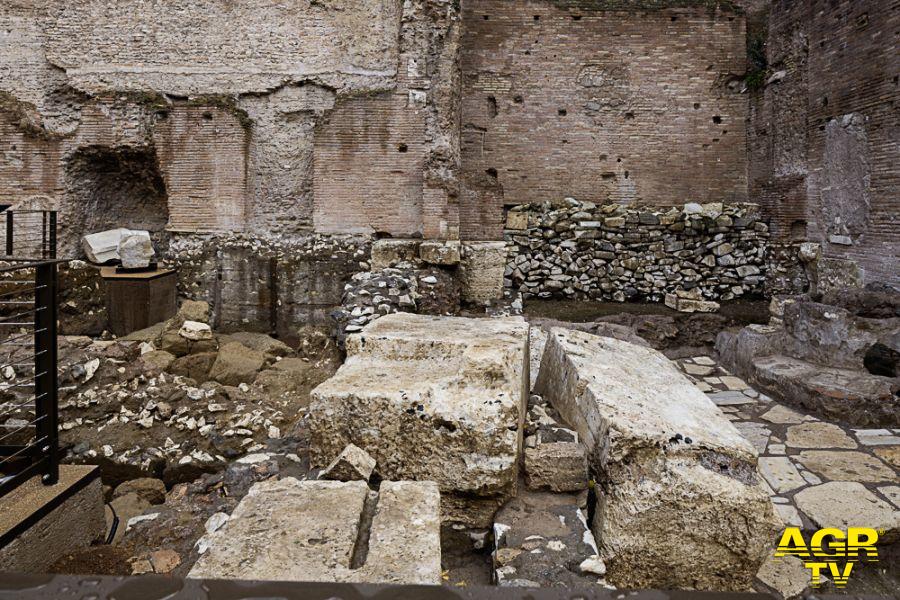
x=436, y=252
x=680, y=504
x=557, y=466
x=431, y=398
x=387, y=253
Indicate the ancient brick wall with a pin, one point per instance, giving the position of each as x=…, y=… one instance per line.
x=203, y=156
x=634, y=106
x=368, y=162
x=825, y=129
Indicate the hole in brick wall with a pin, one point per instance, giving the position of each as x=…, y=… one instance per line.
x=724, y=132
x=162, y=115
x=607, y=176
x=717, y=119
x=562, y=112
x=518, y=99
x=696, y=106
x=537, y=17
x=825, y=101
x=627, y=174
x=896, y=79
x=492, y=173
x=798, y=230
x=208, y=116
x=673, y=19
x=492, y=106
x=730, y=19
x=402, y=148
x=487, y=17
x=576, y=17
x=618, y=160
x=114, y=187
x=629, y=116
x=603, y=157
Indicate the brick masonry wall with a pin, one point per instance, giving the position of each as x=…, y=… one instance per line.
x=826, y=163
x=203, y=155
x=637, y=106
x=368, y=162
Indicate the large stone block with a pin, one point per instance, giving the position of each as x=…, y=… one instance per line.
x=432, y=398
x=481, y=271
x=679, y=504
x=289, y=530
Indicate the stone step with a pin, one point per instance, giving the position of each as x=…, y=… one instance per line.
x=331, y=531
x=849, y=396
x=679, y=502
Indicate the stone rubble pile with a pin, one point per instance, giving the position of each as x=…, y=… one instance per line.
x=618, y=253
x=373, y=294
x=175, y=399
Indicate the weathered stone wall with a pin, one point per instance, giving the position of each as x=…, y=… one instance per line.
x=604, y=101
x=232, y=101
x=268, y=284
x=824, y=157
x=612, y=252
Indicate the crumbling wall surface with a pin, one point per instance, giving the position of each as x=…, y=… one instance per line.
x=613, y=252
x=829, y=170
x=603, y=101
x=386, y=163
x=232, y=100
x=191, y=47
x=273, y=284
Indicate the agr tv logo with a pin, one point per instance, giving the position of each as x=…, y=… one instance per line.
x=830, y=551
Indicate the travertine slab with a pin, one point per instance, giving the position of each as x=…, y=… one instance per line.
x=680, y=504
x=432, y=398
x=290, y=530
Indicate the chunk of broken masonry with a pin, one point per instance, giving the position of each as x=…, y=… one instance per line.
x=103, y=246
x=435, y=399
x=135, y=249
x=679, y=502
x=352, y=464
x=556, y=466
x=289, y=530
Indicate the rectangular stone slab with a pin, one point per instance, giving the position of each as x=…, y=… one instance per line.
x=290, y=530
x=679, y=502
x=432, y=398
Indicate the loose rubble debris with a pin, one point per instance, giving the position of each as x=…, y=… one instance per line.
x=432, y=399
x=352, y=464
x=668, y=463
x=543, y=540
x=327, y=523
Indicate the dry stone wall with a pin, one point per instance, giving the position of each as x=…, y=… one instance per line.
x=619, y=253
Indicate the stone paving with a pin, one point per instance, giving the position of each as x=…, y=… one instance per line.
x=819, y=474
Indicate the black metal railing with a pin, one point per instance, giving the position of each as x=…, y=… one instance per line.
x=29, y=439
x=29, y=234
